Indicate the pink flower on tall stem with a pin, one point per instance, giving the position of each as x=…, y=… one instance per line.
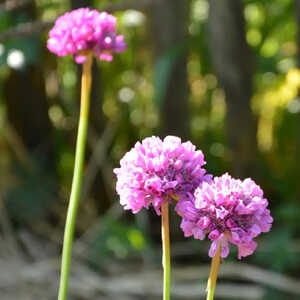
x=155, y=171
x=229, y=211
x=82, y=31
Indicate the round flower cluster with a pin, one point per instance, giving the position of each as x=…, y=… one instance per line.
x=83, y=30
x=228, y=210
x=155, y=171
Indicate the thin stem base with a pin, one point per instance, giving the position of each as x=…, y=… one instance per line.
x=77, y=179
x=211, y=284
x=165, y=233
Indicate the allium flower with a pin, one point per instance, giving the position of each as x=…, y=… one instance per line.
x=155, y=171
x=228, y=210
x=83, y=30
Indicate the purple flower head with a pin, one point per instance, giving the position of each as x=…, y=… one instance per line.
x=228, y=210
x=83, y=30
x=155, y=171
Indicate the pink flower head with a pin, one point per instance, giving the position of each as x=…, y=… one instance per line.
x=155, y=171
x=83, y=30
x=228, y=210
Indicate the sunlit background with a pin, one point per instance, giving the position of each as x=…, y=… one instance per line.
x=221, y=73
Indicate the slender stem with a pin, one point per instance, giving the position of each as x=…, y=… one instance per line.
x=165, y=233
x=211, y=284
x=77, y=178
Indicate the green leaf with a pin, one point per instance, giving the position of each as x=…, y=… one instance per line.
x=162, y=71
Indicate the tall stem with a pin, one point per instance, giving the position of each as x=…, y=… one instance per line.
x=77, y=178
x=211, y=284
x=165, y=233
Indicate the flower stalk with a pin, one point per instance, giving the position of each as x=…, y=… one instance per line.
x=77, y=177
x=212, y=279
x=165, y=233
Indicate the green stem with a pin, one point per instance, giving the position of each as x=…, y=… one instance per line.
x=77, y=178
x=166, y=248
x=211, y=284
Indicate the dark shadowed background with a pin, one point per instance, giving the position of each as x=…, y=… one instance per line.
x=221, y=73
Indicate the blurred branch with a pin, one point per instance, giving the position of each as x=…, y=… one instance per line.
x=17, y=146
x=88, y=284
x=25, y=29
x=258, y=275
x=10, y=240
x=124, y=5
x=99, y=147
x=10, y=5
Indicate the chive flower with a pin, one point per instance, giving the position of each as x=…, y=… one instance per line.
x=158, y=170
x=229, y=211
x=82, y=31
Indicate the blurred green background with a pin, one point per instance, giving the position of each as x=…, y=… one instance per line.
x=221, y=73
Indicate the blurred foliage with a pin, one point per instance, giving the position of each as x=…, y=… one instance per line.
x=116, y=239
x=133, y=88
